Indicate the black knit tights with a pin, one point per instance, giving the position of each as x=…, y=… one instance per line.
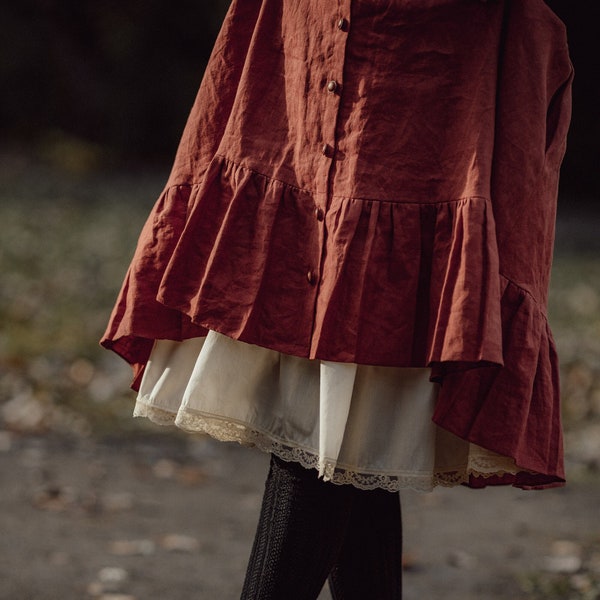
x=310, y=530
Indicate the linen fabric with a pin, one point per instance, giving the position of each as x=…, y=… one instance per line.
x=372, y=182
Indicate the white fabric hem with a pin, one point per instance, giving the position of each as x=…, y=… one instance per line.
x=227, y=430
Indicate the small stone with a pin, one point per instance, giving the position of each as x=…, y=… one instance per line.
x=191, y=476
x=180, y=543
x=132, y=547
x=164, y=469
x=54, y=497
x=117, y=501
x=112, y=578
x=562, y=564
x=565, y=548
x=461, y=559
x=95, y=588
x=565, y=557
x=24, y=413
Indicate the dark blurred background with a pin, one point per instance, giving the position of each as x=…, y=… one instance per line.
x=116, y=76
x=115, y=80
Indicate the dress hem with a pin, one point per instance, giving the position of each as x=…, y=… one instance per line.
x=228, y=430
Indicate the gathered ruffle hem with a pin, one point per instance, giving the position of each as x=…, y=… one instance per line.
x=391, y=283
x=402, y=284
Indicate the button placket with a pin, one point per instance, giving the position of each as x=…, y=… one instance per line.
x=340, y=26
x=335, y=36
x=338, y=30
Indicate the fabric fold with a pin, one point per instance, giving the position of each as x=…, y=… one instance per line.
x=239, y=256
x=336, y=383
x=518, y=409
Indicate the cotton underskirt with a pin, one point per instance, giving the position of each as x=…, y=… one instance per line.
x=368, y=426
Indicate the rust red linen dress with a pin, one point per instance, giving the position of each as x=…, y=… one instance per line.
x=375, y=182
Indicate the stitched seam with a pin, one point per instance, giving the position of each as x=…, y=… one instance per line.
x=312, y=192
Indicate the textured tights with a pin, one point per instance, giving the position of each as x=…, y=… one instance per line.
x=310, y=530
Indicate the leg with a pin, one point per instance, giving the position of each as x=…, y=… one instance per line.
x=370, y=561
x=300, y=532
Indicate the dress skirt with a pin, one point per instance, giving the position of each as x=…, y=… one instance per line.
x=355, y=185
x=369, y=426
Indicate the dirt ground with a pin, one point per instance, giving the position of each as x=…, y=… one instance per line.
x=172, y=518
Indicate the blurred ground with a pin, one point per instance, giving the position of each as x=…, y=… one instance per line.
x=170, y=521
x=96, y=505
x=165, y=519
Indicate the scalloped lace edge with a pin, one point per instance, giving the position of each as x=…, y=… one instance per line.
x=225, y=430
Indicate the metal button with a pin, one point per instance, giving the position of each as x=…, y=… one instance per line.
x=311, y=277
x=342, y=24
x=319, y=214
x=332, y=86
x=327, y=150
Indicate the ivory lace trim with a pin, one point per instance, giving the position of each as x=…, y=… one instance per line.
x=480, y=464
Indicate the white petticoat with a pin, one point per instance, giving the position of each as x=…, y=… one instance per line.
x=368, y=426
